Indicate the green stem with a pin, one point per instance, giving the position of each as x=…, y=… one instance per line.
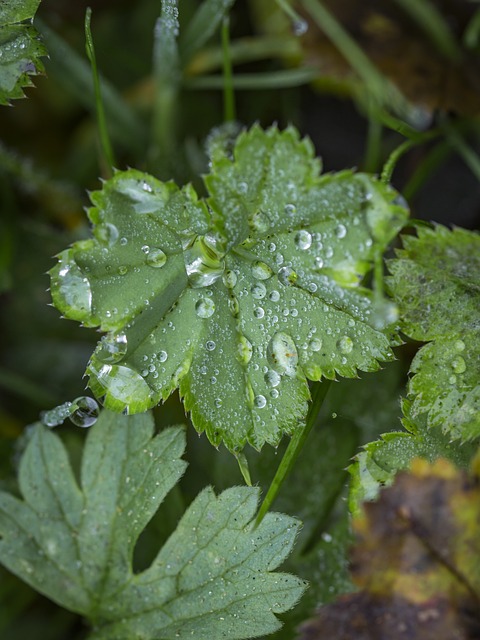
x=299, y=24
x=294, y=447
x=374, y=144
x=228, y=95
x=105, y=144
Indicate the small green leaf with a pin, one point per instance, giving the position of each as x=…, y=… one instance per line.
x=213, y=577
x=20, y=48
x=236, y=299
x=436, y=284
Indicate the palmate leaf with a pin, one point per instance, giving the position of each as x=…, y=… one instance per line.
x=236, y=299
x=436, y=284
x=20, y=48
x=212, y=578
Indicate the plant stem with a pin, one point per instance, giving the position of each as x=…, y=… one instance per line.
x=107, y=158
x=294, y=447
x=374, y=144
x=228, y=96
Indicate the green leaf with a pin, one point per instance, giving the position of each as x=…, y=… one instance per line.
x=436, y=284
x=214, y=575
x=236, y=299
x=20, y=48
x=379, y=461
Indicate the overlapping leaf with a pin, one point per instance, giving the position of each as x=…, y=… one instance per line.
x=436, y=284
x=20, y=48
x=214, y=575
x=416, y=561
x=237, y=299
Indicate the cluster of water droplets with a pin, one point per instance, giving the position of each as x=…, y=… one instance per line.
x=83, y=412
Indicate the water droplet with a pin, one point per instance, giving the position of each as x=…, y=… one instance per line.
x=260, y=401
x=146, y=249
x=203, y=262
x=234, y=306
x=259, y=290
x=272, y=378
x=258, y=312
x=303, y=240
x=329, y=252
x=315, y=344
x=244, y=349
x=282, y=354
x=229, y=279
x=123, y=241
x=272, y=247
x=122, y=270
x=341, y=231
x=261, y=270
x=205, y=307
x=112, y=348
x=274, y=296
x=146, y=187
x=218, y=403
x=287, y=276
x=242, y=187
x=299, y=27
x=290, y=209
x=260, y=222
x=156, y=258
x=210, y=345
x=312, y=287
x=318, y=263
x=274, y=393
x=345, y=344
x=459, y=364
x=162, y=356
x=86, y=412
x=459, y=345
x=74, y=290
x=107, y=232
x=56, y=416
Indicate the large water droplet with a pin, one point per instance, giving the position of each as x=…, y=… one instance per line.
x=258, y=290
x=259, y=401
x=315, y=344
x=259, y=312
x=303, y=240
x=86, y=412
x=272, y=378
x=282, y=354
x=74, y=290
x=261, y=270
x=156, y=258
x=459, y=365
x=287, y=276
x=210, y=345
x=203, y=262
x=229, y=279
x=274, y=296
x=162, y=356
x=205, y=307
x=260, y=222
x=107, y=232
x=341, y=231
x=244, y=350
x=345, y=344
x=112, y=348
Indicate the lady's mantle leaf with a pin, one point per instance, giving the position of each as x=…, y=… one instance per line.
x=238, y=299
x=214, y=574
x=20, y=48
x=436, y=284
x=416, y=561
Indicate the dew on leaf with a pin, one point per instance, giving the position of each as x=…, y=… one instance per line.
x=345, y=344
x=287, y=276
x=242, y=187
x=258, y=290
x=123, y=241
x=272, y=247
x=203, y=263
x=205, y=307
x=260, y=222
x=272, y=378
x=259, y=312
x=229, y=278
x=233, y=306
x=260, y=401
x=282, y=354
x=290, y=209
x=156, y=258
x=210, y=345
x=244, y=349
x=459, y=345
x=112, y=348
x=341, y=231
x=122, y=270
x=56, y=416
x=162, y=356
x=74, y=289
x=303, y=240
x=146, y=249
x=86, y=412
x=107, y=232
x=274, y=296
x=315, y=344
x=458, y=365
x=318, y=263
x=261, y=270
